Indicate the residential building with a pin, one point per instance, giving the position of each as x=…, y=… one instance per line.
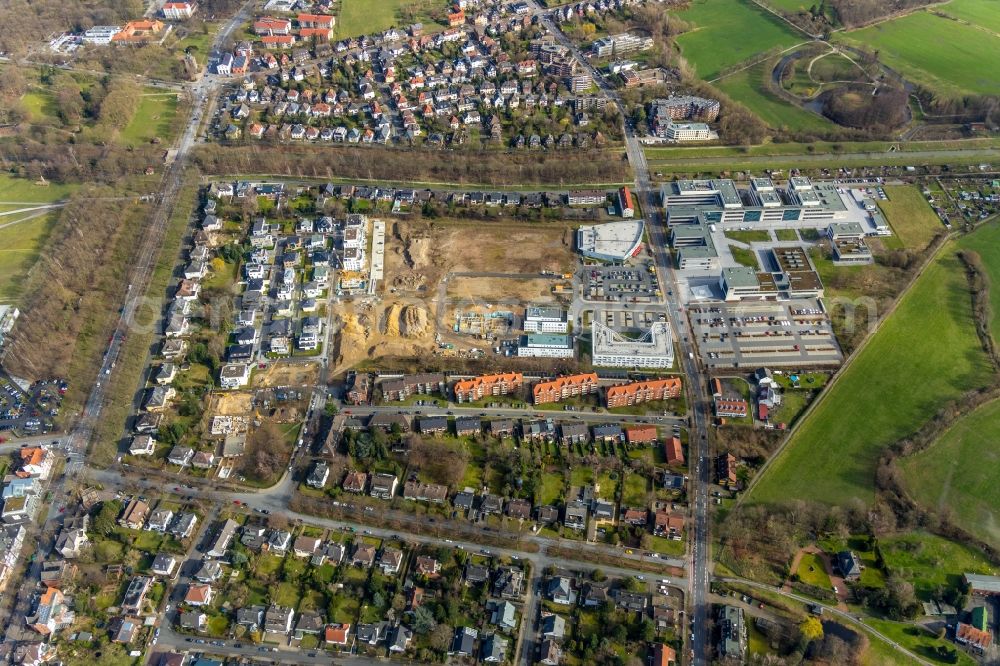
x=278, y=620
x=179, y=11
x=135, y=594
x=624, y=203
x=668, y=525
x=134, y=514
x=73, y=537
x=731, y=407
x=849, y=565
x=338, y=635
x=50, y=613
x=318, y=476
x=725, y=471
x=732, y=633
x=470, y=390
x=163, y=564
x=463, y=644
x=425, y=492
x=468, y=426
x=494, y=649
x=635, y=393
x=360, y=391
x=199, y=595
x=640, y=434
x=390, y=560
x=976, y=639
x=219, y=543
x=404, y=387
x=673, y=451
x=383, y=486
x=553, y=626
x=356, y=482
x=664, y=655
x=549, y=653
x=575, y=515
x=561, y=388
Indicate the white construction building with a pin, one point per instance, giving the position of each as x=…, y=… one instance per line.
x=545, y=320
x=100, y=34
x=653, y=349
x=545, y=345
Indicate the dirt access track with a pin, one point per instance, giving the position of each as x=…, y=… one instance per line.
x=418, y=254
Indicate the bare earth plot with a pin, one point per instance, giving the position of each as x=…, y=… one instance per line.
x=419, y=254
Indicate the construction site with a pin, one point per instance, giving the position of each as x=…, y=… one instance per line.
x=450, y=284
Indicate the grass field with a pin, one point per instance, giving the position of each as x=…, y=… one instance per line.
x=834, y=67
x=985, y=13
x=749, y=88
x=358, y=17
x=20, y=245
x=22, y=235
x=153, y=118
x=22, y=190
x=40, y=106
x=927, y=561
x=910, y=216
x=729, y=32
x=920, y=641
x=363, y=17
x=986, y=241
x=812, y=572
x=966, y=66
x=966, y=464
x=831, y=458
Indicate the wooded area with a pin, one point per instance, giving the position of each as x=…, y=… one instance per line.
x=397, y=164
x=74, y=286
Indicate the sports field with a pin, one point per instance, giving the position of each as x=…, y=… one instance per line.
x=748, y=87
x=985, y=13
x=728, y=32
x=966, y=65
x=832, y=457
x=910, y=216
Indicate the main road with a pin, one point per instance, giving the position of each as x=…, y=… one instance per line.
x=700, y=451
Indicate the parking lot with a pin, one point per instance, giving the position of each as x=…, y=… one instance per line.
x=29, y=412
x=793, y=333
x=620, y=284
